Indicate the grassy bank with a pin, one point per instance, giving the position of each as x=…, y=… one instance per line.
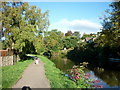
x=10, y=74
x=56, y=77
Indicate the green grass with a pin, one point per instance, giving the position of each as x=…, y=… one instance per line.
x=11, y=74
x=0, y=78
x=56, y=77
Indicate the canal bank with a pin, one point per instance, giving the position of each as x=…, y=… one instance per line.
x=57, y=77
x=108, y=78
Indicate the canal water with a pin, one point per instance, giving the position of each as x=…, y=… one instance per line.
x=108, y=78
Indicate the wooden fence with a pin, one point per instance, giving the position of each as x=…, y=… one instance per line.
x=8, y=52
x=7, y=57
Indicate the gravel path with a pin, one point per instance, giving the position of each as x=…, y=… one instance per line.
x=34, y=77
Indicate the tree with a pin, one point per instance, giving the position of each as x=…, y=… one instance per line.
x=110, y=36
x=115, y=19
x=69, y=33
x=22, y=23
x=91, y=35
x=39, y=44
x=111, y=26
x=106, y=44
x=76, y=34
x=69, y=42
x=52, y=40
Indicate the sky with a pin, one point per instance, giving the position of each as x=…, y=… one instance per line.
x=75, y=16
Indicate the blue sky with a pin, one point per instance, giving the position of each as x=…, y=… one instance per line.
x=75, y=16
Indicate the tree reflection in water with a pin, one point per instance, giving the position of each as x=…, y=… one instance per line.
x=112, y=78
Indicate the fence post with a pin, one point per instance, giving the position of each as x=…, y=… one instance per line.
x=14, y=59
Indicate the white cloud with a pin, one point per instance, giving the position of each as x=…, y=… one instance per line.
x=82, y=26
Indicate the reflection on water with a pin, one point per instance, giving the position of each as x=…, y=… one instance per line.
x=111, y=78
x=62, y=63
x=108, y=78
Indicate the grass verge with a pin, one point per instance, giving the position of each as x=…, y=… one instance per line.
x=56, y=77
x=10, y=74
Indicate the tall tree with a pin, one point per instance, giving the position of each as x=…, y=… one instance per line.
x=111, y=26
x=21, y=23
x=110, y=35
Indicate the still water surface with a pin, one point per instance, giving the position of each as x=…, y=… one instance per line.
x=108, y=78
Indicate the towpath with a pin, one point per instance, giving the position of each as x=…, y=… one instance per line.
x=34, y=77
